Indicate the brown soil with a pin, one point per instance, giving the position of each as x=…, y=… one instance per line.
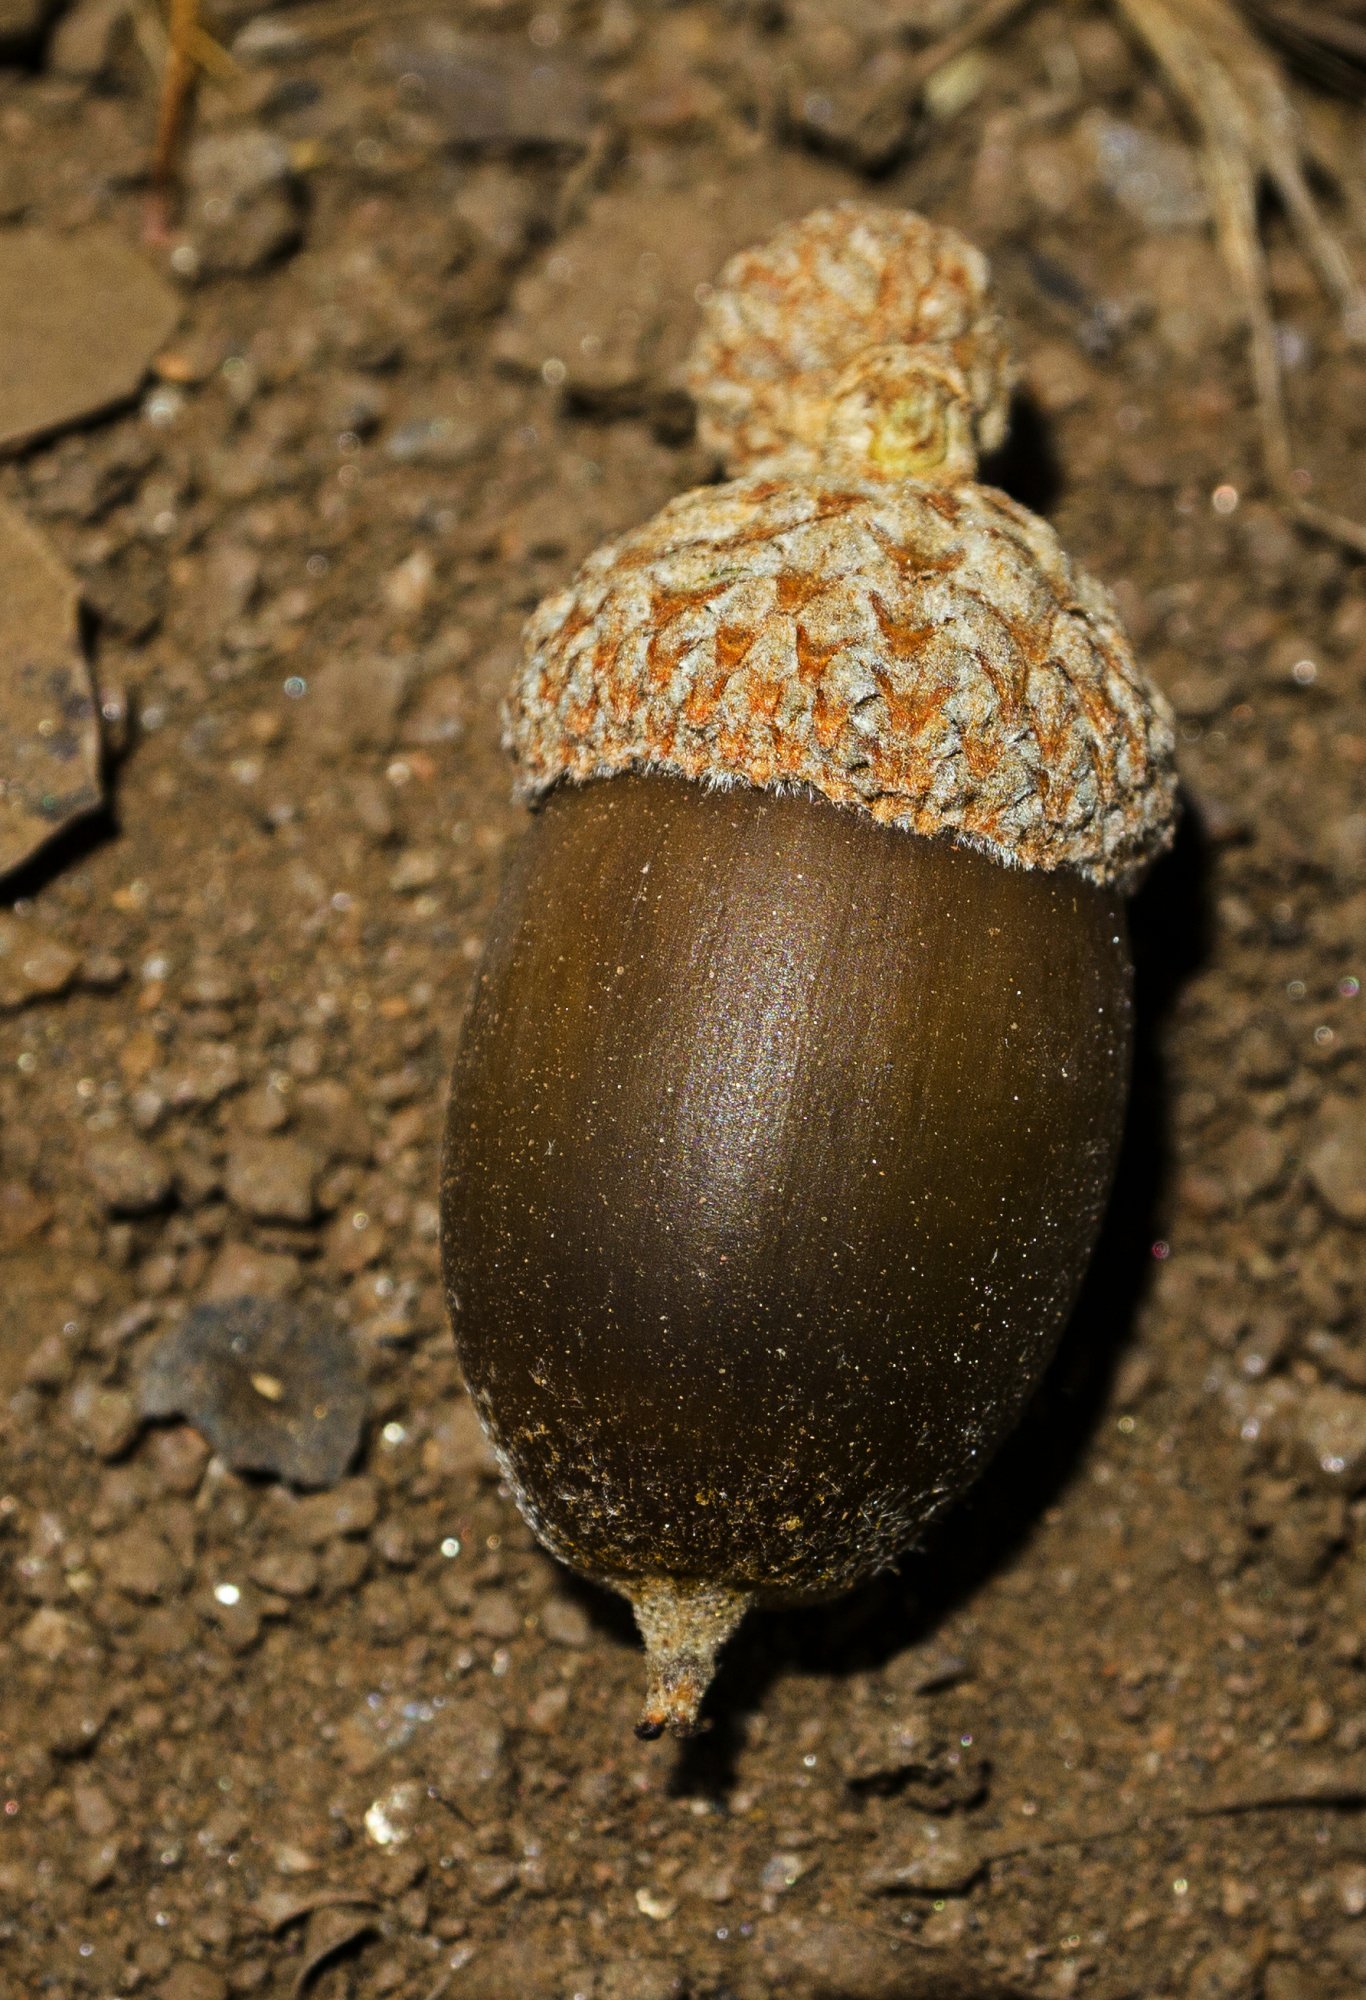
x=1105, y=1734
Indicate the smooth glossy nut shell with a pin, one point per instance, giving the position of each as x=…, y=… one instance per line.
x=777, y=1146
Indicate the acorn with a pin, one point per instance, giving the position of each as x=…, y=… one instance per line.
x=790, y=1094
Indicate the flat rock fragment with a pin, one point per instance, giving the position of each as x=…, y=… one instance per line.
x=81, y=318
x=49, y=727
x=274, y=1386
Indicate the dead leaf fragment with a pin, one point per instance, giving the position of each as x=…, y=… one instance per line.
x=49, y=729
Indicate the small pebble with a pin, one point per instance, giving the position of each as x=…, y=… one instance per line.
x=140, y=1562
x=457, y=1448
x=289, y=1572
x=354, y=702
x=334, y=1121
x=107, y=1419
x=48, y=1634
x=74, y=1722
x=496, y=91
x=1349, y=1886
x=490, y=1879
x=1222, y=1974
x=93, y=1810
x=466, y=1756
x=349, y=1509
x=273, y=1179
x=565, y=1623
x=34, y=965
x=1336, y=1162
x=242, y=1271
x=1332, y=1435
x=178, y=1456
x=496, y=1615
x=129, y=1176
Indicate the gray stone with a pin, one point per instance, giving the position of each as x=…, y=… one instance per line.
x=1157, y=179
x=274, y=1387
x=614, y=313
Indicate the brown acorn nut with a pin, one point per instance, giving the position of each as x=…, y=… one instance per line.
x=789, y=1098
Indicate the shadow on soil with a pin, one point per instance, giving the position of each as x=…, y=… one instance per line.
x=65, y=851
x=1026, y=466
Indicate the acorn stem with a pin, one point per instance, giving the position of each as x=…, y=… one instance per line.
x=684, y=1621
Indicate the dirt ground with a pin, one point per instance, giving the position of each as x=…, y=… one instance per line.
x=1105, y=1734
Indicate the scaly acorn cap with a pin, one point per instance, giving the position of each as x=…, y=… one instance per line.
x=788, y=317
x=857, y=614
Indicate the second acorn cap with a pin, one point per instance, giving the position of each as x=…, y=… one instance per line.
x=787, y=318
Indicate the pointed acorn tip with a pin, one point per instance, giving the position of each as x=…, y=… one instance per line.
x=684, y=1623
